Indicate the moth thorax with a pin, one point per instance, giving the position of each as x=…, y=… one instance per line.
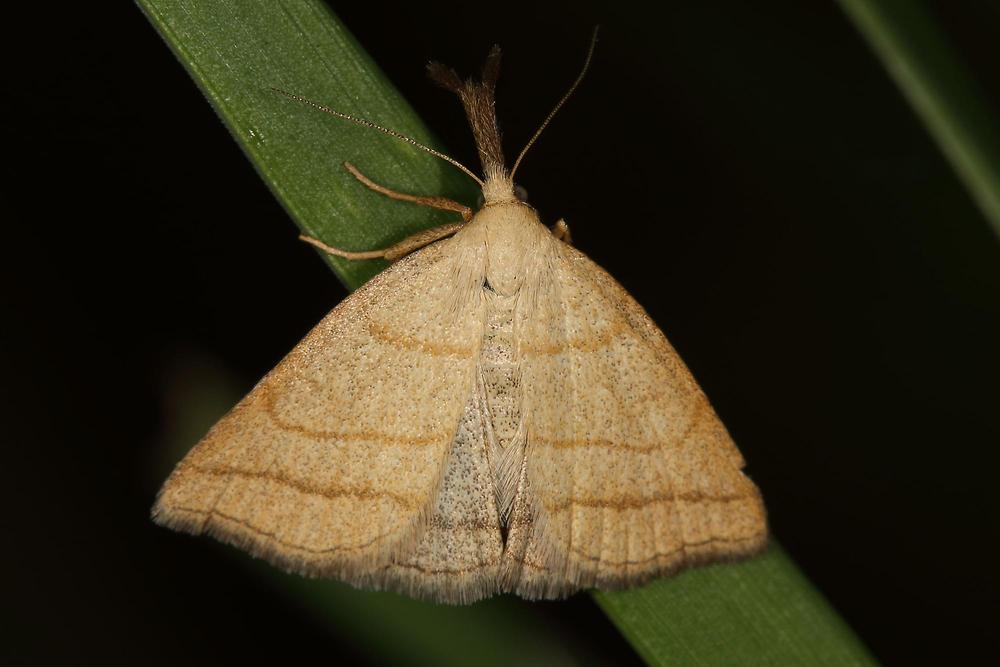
x=498, y=187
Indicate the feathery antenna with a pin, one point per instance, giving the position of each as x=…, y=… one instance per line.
x=579, y=78
x=392, y=133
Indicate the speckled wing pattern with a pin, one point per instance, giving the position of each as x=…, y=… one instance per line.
x=338, y=462
x=629, y=473
x=435, y=437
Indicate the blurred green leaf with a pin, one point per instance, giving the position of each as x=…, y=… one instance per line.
x=918, y=57
x=760, y=612
x=400, y=631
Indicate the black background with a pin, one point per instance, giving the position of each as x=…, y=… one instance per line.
x=750, y=174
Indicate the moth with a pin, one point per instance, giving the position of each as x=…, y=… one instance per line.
x=493, y=413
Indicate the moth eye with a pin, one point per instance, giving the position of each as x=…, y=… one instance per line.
x=480, y=201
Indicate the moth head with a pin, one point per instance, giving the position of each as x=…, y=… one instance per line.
x=497, y=189
x=520, y=195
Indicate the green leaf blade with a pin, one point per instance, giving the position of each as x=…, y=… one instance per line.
x=763, y=611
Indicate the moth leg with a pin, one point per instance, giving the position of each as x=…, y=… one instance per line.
x=410, y=243
x=393, y=252
x=434, y=202
x=560, y=230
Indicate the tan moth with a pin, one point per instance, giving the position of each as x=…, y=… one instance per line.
x=493, y=413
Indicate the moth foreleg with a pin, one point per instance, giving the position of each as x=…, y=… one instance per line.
x=434, y=202
x=395, y=251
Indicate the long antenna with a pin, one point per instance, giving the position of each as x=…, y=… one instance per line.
x=385, y=130
x=579, y=78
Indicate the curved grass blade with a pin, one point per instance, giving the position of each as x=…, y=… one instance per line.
x=760, y=612
x=937, y=85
